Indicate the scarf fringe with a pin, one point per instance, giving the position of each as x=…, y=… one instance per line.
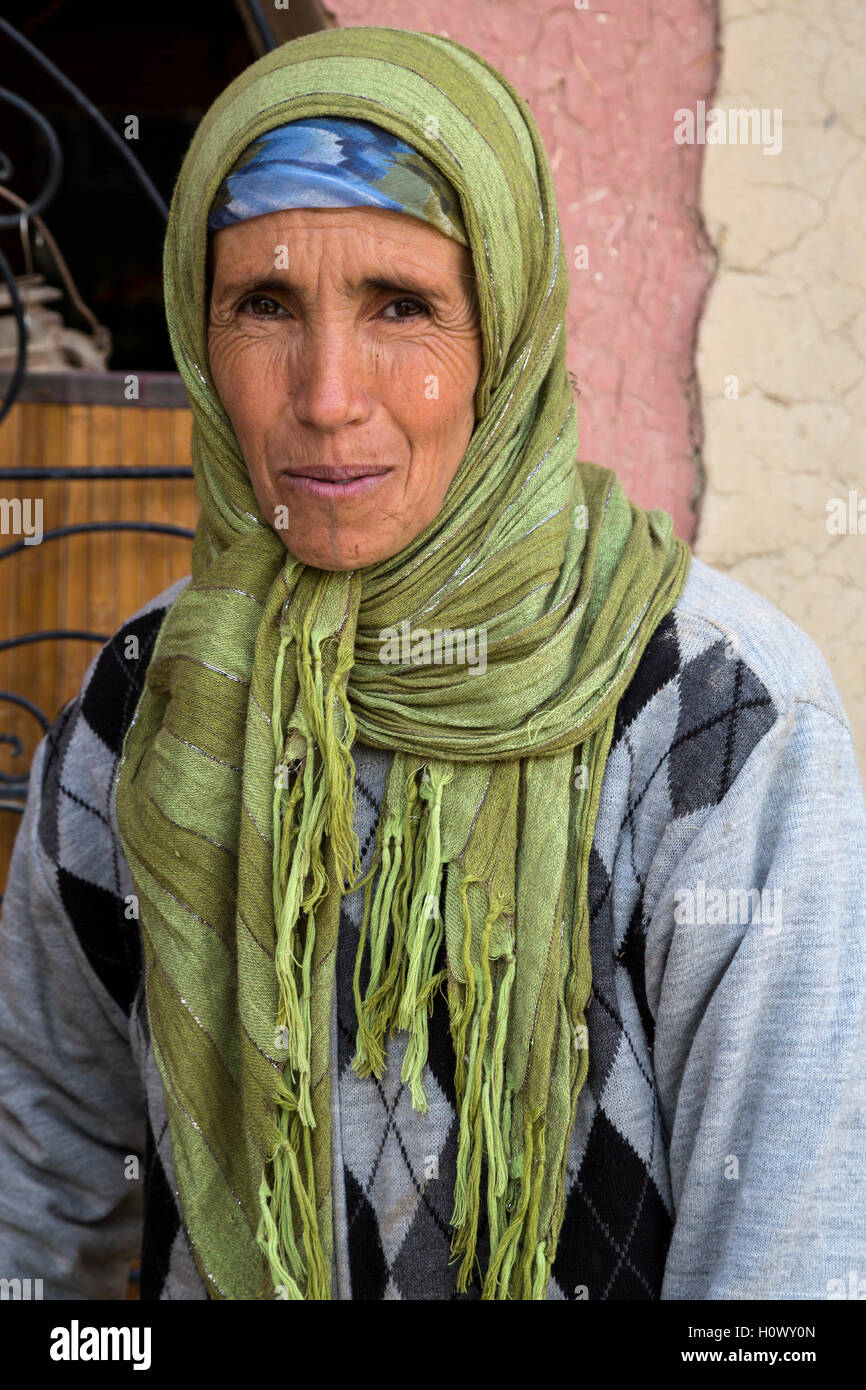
x=409, y=850
x=405, y=926
x=321, y=802
x=290, y=1190
x=520, y=1264
x=403, y=910
x=484, y=1101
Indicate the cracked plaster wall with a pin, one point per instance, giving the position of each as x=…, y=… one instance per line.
x=787, y=318
x=603, y=83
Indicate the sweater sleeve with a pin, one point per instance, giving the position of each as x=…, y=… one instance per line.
x=72, y=1113
x=756, y=977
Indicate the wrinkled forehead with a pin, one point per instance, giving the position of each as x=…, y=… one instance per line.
x=354, y=248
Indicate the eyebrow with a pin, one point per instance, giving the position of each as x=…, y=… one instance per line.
x=400, y=283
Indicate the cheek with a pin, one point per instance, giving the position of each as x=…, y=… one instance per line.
x=242, y=368
x=431, y=392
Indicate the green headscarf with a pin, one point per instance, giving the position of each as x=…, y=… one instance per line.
x=235, y=792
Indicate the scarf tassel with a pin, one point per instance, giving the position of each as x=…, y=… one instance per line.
x=484, y=1102
x=406, y=899
x=302, y=819
x=400, y=995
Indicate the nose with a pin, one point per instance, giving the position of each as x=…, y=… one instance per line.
x=329, y=391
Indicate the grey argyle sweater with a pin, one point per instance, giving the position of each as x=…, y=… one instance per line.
x=719, y=1149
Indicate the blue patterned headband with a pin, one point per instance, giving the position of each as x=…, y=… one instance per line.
x=325, y=162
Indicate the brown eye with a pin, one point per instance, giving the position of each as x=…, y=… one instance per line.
x=414, y=303
x=261, y=306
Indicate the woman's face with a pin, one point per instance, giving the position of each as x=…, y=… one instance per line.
x=345, y=344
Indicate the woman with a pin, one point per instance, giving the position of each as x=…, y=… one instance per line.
x=363, y=1022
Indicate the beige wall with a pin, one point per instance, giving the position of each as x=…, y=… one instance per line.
x=785, y=326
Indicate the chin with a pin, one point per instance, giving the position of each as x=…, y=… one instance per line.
x=323, y=558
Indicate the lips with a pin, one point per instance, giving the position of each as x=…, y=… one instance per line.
x=335, y=483
x=337, y=473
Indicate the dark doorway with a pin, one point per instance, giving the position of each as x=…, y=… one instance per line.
x=162, y=63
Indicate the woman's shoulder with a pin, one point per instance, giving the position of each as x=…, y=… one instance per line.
x=67, y=847
x=723, y=653
x=87, y=735
x=70, y=797
x=726, y=681
x=115, y=678
x=720, y=670
x=716, y=612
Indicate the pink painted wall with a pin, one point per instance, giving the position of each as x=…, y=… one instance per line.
x=603, y=85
